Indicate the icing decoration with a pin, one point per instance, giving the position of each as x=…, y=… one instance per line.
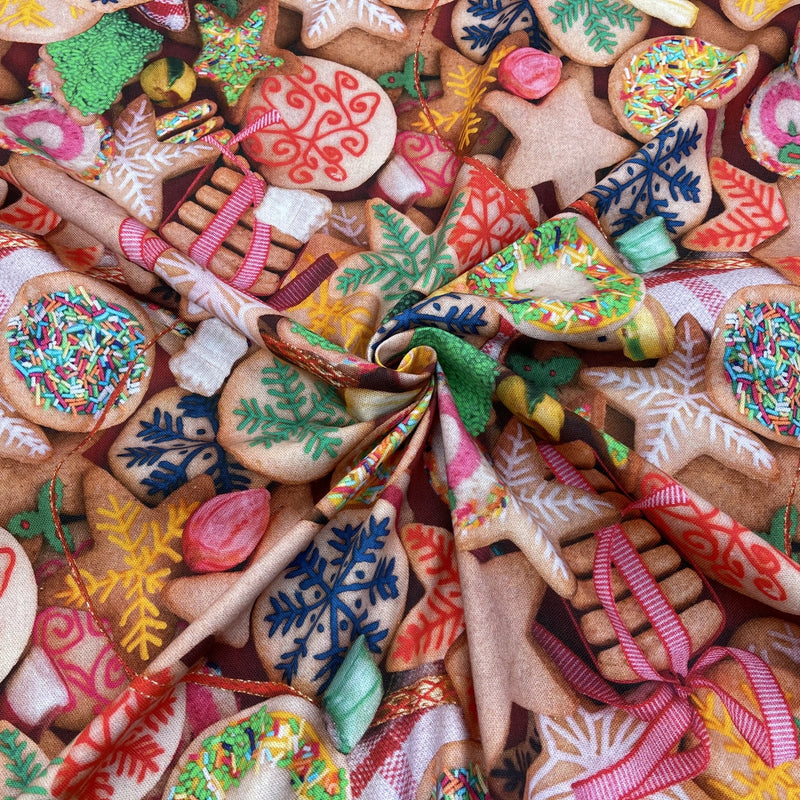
x=668, y=176
x=353, y=696
x=754, y=212
x=272, y=751
x=529, y=73
x=168, y=81
x=671, y=73
x=70, y=347
x=225, y=530
x=41, y=126
x=404, y=79
x=678, y=13
x=17, y=601
x=28, y=524
x=173, y=122
x=461, y=783
x=647, y=246
x=770, y=123
x=675, y=419
x=559, y=281
x=231, y=55
x=335, y=123
x=96, y=64
x=761, y=358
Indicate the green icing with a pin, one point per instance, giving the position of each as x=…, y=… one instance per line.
x=21, y=767
x=29, y=524
x=471, y=375
x=97, y=63
x=543, y=377
x=776, y=534
x=315, y=339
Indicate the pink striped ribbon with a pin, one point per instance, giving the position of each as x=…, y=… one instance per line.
x=249, y=193
x=655, y=764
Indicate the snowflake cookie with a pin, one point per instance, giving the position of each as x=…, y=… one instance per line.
x=351, y=580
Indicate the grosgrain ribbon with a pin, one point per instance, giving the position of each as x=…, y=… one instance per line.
x=656, y=763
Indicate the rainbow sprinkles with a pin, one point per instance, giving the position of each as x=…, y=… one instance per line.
x=70, y=347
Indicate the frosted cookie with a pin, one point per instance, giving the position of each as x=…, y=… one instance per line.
x=66, y=342
x=770, y=124
x=593, y=35
x=46, y=21
x=676, y=420
x=751, y=16
x=654, y=81
x=83, y=75
x=638, y=188
x=291, y=153
x=751, y=369
x=18, y=591
x=754, y=212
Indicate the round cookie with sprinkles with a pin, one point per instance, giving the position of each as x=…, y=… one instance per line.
x=656, y=79
x=66, y=342
x=753, y=366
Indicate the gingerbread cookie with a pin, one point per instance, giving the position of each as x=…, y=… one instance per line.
x=66, y=342
x=675, y=419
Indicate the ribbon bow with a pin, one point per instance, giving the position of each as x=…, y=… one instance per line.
x=656, y=763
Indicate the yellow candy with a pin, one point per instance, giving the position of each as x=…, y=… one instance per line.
x=168, y=82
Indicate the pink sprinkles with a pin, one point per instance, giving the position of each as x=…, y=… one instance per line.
x=71, y=348
x=762, y=362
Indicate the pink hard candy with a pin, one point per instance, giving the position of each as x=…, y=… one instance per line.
x=224, y=531
x=529, y=73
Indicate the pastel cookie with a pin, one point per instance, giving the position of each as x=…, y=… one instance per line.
x=593, y=34
x=751, y=16
x=18, y=591
x=66, y=339
x=771, y=121
x=45, y=21
x=654, y=81
x=751, y=368
x=276, y=749
x=292, y=153
x=675, y=412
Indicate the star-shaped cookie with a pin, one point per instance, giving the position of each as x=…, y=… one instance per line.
x=754, y=212
x=675, y=419
x=236, y=51
x=136, y=551
x=556, y=140
x=501, y=599
x=783, y=251
x=141, y=163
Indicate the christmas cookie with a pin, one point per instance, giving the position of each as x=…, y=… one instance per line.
x=667, y=177
x=276, y=749
x=655, y=80
x=90, y=69
x=17, y=601
x=593, y=34
x=67, y=341
x=771, y=123
x=675, y=418
x=751, y=370
x=46, y=21
x=355, y=113
x=171, y=439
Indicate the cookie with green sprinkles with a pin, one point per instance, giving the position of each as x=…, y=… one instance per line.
x=93, y=66
x=66, y=343
x=753, y=366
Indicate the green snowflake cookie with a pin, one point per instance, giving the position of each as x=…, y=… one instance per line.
x=96, y=64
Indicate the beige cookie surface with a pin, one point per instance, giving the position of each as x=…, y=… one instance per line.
x=18, y=591
x=356, y=115
x=43, y=22
x=751, y=370
x=66, y=339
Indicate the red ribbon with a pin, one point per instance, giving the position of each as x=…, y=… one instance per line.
x=656, y=763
